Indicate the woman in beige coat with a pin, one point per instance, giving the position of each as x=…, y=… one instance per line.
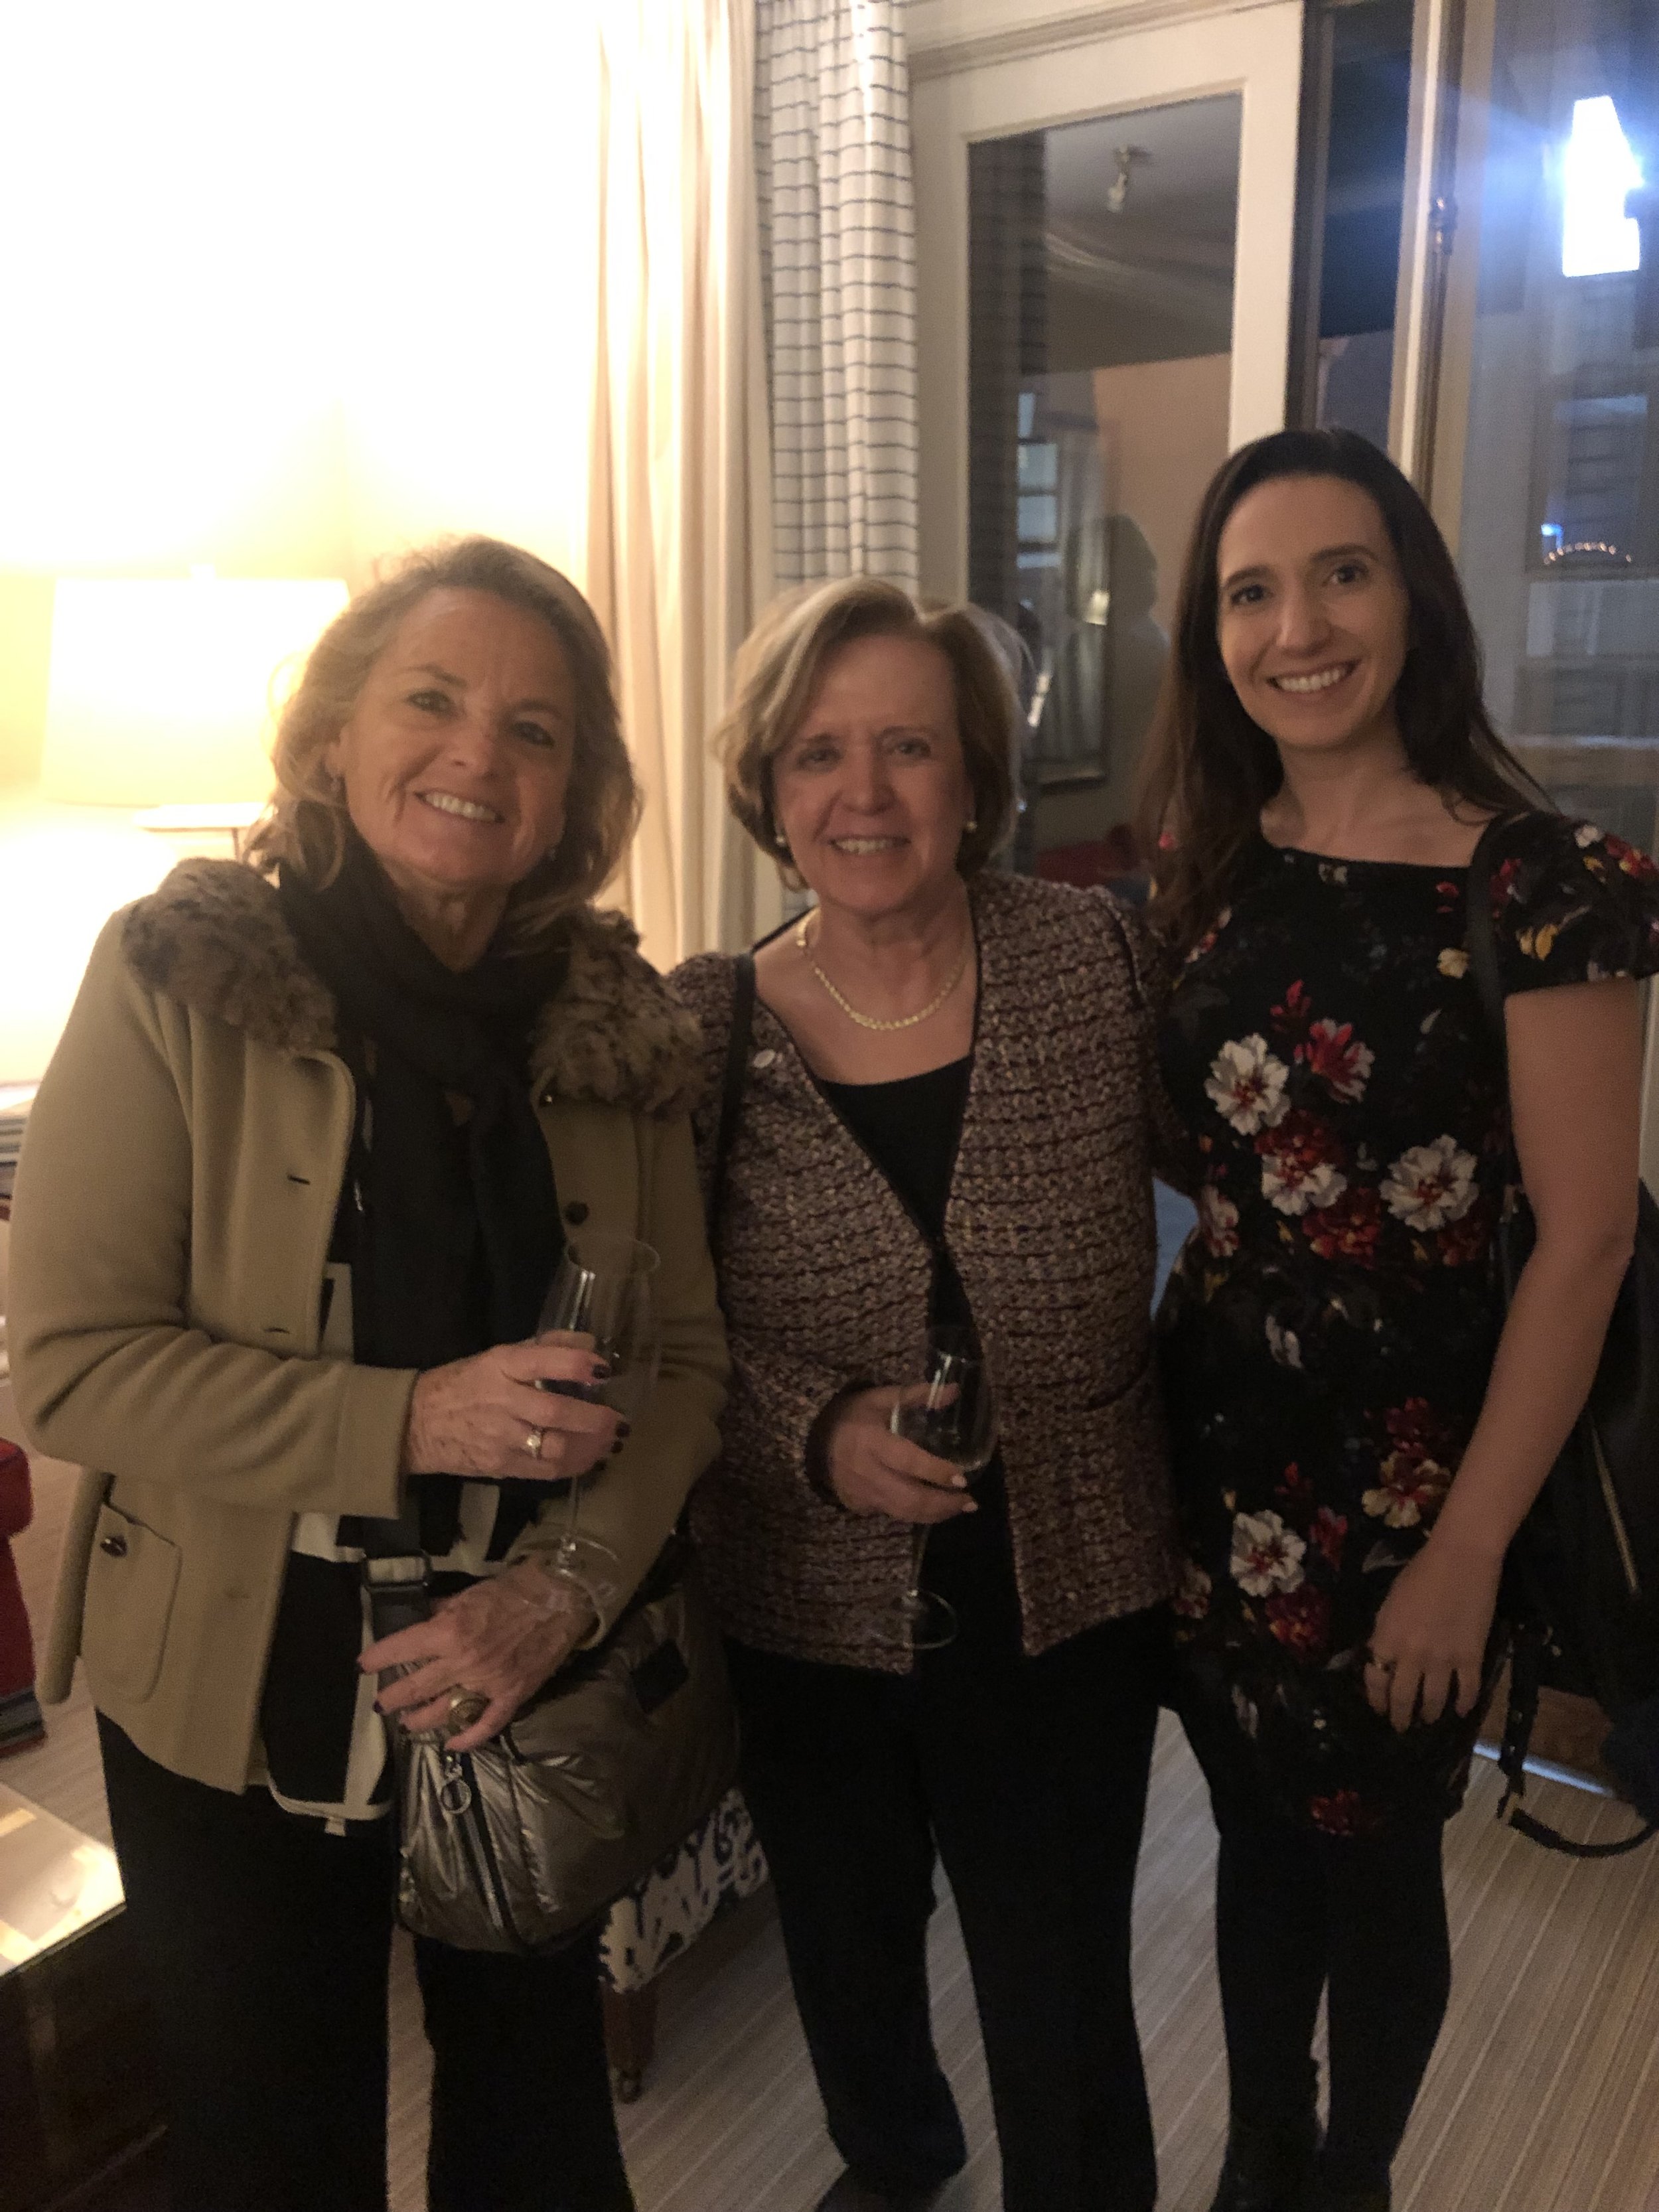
x=293, y=1190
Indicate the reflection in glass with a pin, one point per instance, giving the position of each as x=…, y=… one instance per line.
x=1559, y=532
x=1100, y=298
x=1599, y=173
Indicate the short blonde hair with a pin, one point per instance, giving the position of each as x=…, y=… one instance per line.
x=779, y=667
x=305, y=824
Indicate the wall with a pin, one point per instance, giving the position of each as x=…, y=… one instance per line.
x=984, y=68
x=1164, y=430
x=296, y=286
x=944, y=34
x=25, y=638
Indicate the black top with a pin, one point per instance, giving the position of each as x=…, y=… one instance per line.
x=910, y=1129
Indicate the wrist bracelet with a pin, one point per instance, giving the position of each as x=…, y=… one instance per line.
x=562, y=1580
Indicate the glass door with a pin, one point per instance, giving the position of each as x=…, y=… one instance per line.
x=1104, y=243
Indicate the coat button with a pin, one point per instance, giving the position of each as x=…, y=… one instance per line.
x=115, y=1545
x=575, y=1213
x=764, y=1058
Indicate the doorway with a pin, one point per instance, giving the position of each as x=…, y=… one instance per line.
x=1100, y=339
x=1104, y=233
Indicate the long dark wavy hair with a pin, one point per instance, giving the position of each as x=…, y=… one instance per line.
x=1209, y=769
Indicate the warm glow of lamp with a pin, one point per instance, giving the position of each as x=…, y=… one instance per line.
x=161, y=692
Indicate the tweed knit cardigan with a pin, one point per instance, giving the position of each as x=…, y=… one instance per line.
x=825, y=1280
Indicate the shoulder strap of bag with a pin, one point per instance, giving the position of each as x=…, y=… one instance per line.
x=737, y=1062
x=1479, y=937
x=397, y=1573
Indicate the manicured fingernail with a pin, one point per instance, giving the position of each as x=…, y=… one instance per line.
x=616, y=1448
x=958, y=1482
x=625, y=1429
x=968, y=1506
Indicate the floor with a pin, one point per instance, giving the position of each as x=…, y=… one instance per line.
x=1543, y=2097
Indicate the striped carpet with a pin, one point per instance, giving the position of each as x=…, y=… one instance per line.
x=1543, y=2097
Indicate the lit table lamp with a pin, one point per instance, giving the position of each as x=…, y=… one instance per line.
x=161, y=696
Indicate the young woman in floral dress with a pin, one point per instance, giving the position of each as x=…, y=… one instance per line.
x=1356, y=1431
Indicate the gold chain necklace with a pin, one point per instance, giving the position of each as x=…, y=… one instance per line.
x=872, y=1021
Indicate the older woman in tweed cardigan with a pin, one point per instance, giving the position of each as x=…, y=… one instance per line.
x=943, y=1115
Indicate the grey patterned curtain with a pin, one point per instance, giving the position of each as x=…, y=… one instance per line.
x=837, y=231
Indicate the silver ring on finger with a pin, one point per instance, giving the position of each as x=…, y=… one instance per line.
x=532, y=1442
x=467, y=1709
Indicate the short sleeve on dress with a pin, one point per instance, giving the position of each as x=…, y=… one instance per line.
x=1571, y=904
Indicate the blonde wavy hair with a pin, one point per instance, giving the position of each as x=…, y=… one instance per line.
x=779, y=667
x=305, y=824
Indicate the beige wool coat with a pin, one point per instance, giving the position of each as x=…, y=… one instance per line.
x=171, y=1225
x=825, y=1280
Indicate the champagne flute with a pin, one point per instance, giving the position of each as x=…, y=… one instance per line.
x=602, y=1295
x=952, y=1413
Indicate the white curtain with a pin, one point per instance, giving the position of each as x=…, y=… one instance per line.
x=837, y=222
x=678, y=551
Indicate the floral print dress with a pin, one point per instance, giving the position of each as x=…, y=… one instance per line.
x=1329, y=1327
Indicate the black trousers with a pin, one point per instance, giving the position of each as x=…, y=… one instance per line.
x=1359, y=1920
x=265, y=1946
x=1029, y=1777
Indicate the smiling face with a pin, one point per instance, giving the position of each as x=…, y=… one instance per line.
x=872, y=791
x=1312, y=620
x=457, y=755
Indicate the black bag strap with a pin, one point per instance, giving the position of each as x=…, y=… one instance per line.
x=1480, y=940
x=736, y=1063
x=397, y=1572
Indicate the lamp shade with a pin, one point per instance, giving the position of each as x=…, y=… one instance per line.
x=161, y=692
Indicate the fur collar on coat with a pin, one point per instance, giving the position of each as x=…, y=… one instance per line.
x=214, y=937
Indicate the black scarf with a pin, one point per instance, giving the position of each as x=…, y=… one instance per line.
x=459, y=1231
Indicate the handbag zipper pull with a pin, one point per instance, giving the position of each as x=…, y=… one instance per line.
x=454, y=1791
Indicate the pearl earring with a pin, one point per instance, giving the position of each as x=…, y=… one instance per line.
x=970, y=825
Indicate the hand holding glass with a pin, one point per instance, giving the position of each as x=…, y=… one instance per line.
x=601, y=1296
x=952, y=1413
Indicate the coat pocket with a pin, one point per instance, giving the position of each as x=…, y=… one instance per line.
x=131, y=1580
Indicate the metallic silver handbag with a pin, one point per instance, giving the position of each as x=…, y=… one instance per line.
x=518, y=1845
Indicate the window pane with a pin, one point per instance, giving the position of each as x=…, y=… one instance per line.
x=1559, y=542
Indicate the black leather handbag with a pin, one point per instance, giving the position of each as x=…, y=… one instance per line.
x=1582, y=1579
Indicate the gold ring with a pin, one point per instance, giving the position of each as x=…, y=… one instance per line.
x=532, y=1442
x=1385, y=1666
x=467, y=1709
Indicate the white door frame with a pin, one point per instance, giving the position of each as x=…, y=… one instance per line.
x=1256, y=49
